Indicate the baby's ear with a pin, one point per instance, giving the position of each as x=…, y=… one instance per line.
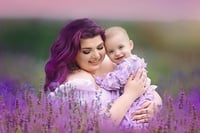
x=131, y=44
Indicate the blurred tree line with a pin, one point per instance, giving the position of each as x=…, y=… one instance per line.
x=32, y=37
x=35, y=36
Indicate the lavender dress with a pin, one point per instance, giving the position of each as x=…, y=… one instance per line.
x=115, y=81
x=84, y=91
x=93, y=105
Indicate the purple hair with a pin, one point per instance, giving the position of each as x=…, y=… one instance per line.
x=65, y=48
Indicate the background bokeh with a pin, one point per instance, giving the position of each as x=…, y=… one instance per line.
x=166, y=35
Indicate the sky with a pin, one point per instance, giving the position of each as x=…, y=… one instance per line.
x=166, y=10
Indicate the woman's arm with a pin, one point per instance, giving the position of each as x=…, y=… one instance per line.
x=123, y=103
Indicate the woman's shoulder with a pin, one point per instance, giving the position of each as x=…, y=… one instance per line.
x=80, y=80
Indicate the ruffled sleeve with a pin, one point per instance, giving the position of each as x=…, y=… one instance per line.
x=116, y=79
x=80, y=90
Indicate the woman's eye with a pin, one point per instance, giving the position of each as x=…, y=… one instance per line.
x=86, y=52
x=100, y=47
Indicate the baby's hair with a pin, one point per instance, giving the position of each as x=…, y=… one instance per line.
x=110, y=32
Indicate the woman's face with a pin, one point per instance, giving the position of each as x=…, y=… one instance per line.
x=91, y=54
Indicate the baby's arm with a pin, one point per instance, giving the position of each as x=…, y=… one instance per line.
x=113, y=80
x=119, y=76
x=110, y=81
x=128, y=66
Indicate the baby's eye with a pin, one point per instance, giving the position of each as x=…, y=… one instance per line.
x=120, y=47
x=111, y=51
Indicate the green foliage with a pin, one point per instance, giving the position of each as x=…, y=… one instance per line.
x=32, y=37
x=35, y=36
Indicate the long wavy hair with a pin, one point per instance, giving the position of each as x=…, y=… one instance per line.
x=65, y=48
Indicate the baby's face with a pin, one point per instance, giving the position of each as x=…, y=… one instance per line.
x=118, y=48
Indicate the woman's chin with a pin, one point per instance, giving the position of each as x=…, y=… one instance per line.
x=92, y=68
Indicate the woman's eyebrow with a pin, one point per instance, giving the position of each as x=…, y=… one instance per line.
x=86, y=48
x=91, y=48
x=100, y=44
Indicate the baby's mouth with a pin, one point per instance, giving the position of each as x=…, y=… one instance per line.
x=119, y=58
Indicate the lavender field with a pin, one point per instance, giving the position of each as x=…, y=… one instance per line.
x=23, y=110
x=172, y=55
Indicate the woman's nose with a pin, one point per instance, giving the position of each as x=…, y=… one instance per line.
x=95, y=54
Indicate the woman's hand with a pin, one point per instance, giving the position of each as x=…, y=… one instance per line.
x=135, y=86
x=145, y=113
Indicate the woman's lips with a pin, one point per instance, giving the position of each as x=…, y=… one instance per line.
x=96, y=62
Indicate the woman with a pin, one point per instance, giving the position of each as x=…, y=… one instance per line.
x=78, y=54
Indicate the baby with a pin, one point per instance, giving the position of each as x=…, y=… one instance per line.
x=118, y=48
